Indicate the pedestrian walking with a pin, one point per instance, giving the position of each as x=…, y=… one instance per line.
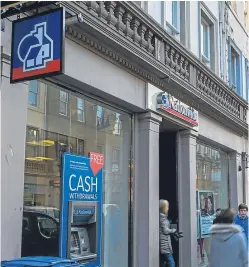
x=166, y=251
x=242, y=219
x=228, y=243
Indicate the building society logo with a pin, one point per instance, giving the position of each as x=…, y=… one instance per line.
x=170, y=104
x=35, y=49
x=165, y=100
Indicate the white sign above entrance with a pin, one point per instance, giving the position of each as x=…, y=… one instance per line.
x=171, y=108
x=170, y=104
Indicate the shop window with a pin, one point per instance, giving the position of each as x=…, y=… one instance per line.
x=117, y=125
x=80, y=110
x=33, y=93
x=52, y=135
x=32, y=143
x=63, y=102
x=80, y=146
x=100, y=149
x=116, y=155
x=212, y=193
x=47, y=226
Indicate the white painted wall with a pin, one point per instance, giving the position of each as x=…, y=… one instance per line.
x=13, y=110
x=13, y=105
x=215, y=132
x=194, y=28
x=93, y=70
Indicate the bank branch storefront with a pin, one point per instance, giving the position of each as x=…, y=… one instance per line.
x=90, y=148
x=77, y=173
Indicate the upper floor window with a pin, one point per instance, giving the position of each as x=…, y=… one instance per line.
x=234, y=62
x=247, y=80
x=208, y=38
x=175, y=14
x=205, y=40
x=33, y=93
x=173, y=17
x=234, y=66
x=63, y=102
x=80, y=110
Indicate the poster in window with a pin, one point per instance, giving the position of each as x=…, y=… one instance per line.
x=206, y=208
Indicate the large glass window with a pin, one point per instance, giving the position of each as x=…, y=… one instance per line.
x=49, y=135
x=212, y=193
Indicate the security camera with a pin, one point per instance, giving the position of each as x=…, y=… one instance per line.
x=80, y=18
x=75, y=19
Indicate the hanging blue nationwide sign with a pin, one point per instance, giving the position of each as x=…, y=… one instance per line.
x=37, y=48
x=81, y=208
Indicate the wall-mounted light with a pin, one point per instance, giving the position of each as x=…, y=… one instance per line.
x=245, y=160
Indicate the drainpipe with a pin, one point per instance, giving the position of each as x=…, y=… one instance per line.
x=221, y=39
x=244, y=179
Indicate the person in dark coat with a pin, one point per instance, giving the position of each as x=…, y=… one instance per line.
x=166, y=251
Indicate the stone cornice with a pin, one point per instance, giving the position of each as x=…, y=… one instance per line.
x=95, y=45
x=125, y=35
x=160, y=31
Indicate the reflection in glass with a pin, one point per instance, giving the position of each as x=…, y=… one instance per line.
x=212, y=180
x=49, y=135
x=33, y=93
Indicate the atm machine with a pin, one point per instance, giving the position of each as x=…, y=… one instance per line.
x=82, y=232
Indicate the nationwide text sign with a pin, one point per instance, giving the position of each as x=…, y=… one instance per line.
x=38, y=46
x=170, y=104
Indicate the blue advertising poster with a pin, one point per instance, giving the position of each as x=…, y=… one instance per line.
x=81, y=208
x=206, y=207
x=37, y=48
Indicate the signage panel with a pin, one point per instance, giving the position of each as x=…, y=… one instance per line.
x=37, y=48
x=171, y=108
x=170, y=104
x=206, y=208
x=81, y=208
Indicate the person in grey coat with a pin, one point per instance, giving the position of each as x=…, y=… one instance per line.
x=228, y=244
x=166, y=252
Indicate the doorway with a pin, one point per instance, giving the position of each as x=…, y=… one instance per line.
x=168, y=179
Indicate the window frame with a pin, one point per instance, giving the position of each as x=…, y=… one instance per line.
x=205, y=57
x=172, y=27
x=175, y=21
x=247, y=79
x=83, y=119
x=64, y=102
x=238, y=79
x=34, y=93
x=205, y=15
